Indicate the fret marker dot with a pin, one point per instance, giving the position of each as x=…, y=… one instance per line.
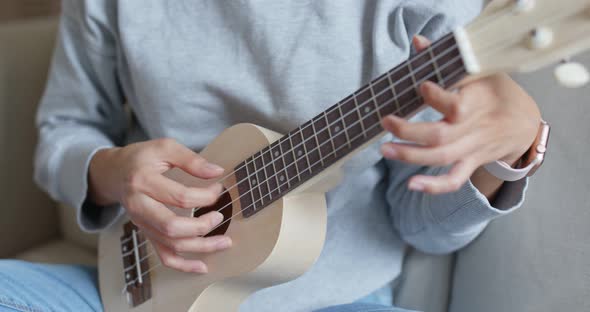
x=127, y=276
x=367, y=109
x=282, y=178
x=299, y=152
x=124, y=248
x=336, y=129
x=253, y=181
x=276, y=153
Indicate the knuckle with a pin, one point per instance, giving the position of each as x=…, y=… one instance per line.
x=445, y=157
x=439, y=135
x=167, y=260
x=454, y=184
x=179, y=246
x=210, y=196
x=458, y=110
x=134, y=181
x=182, y=199
x=170, y=228
x=165, y=143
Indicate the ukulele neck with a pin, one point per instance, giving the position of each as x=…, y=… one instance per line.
x=338, y=131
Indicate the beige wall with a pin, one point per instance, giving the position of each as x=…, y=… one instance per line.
x=18, y=9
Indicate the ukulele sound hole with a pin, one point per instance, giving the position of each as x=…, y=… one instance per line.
x=223, y=205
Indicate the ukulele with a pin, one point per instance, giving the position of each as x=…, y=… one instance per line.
x=273, y=200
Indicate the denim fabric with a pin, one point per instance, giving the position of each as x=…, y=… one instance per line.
x=33, y=287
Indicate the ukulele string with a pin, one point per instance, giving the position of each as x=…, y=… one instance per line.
x=272, y=163
x=236, y=214
x=421, y=54
x=401, y=80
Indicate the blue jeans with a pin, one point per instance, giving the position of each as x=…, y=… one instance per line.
x=32, y=287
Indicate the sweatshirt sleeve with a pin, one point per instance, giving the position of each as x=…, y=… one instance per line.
x=81, y=110
x=442, y=223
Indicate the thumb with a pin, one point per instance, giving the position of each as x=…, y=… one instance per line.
x=420, y=42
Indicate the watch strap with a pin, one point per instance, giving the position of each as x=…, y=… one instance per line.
x=505, y=172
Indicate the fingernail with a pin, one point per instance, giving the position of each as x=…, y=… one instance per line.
x=388, y=151
x=416, y=186
x=421, y=39
x=200, y=268
x=214, y=167
x=223, y=243
x=217, y=217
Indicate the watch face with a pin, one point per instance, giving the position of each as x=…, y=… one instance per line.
x=537, y=152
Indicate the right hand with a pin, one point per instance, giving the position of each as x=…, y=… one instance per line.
x=132, y=176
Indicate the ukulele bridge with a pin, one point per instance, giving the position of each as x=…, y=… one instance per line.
x=136, y=265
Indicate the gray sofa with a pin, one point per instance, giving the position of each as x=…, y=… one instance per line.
x=537, y=259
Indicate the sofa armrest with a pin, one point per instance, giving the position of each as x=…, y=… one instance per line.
x=539, y=258
x=27, y=216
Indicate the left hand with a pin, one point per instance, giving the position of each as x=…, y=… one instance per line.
x=488, y=119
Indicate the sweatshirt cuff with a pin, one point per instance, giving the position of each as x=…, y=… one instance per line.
x=74, y=185
x=475, y=210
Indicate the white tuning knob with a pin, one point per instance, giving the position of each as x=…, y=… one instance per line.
x=572, y=75
x=540, y=38
x=522, y=6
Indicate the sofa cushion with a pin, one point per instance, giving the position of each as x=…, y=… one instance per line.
x=27, y=215
x=425, y=282
x=539, y=258
x=71, y=231
x=59, y=251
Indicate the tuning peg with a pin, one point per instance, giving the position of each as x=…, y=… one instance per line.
x=572, y=75
x=540, y=38
x=521, y=6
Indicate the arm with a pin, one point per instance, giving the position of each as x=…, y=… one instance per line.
x=80, y=161
x=443, y=198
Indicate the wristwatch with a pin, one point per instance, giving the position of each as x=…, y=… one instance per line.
x=530, y=161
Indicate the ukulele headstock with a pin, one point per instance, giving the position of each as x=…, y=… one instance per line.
x=525, y=35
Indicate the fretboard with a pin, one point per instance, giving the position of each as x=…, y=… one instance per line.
x=309, y=149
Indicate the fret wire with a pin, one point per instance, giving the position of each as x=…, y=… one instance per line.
x=435, y=64
x=251, y=190
x=317, y=141
x=343, y=126
x=357, y=108
x=415, y=84
x=392, y=86
x=294, y=158
x=274, y=169
x=258, y=183
x=329, y=126
x=264, y=167
x=451, y=76
x=305, y=151
x=374, y=99
x=284, y=165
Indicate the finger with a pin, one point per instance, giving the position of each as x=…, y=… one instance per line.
x=184, y=158
x=447, y=183
x=446, y=102
x=420, y=42
x=176, y=194
x=174, y=261
x=167, y=222
x=189, y=245
x=431, y=156
x=424, y=133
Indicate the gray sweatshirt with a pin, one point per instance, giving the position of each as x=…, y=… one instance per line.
x=188, y=69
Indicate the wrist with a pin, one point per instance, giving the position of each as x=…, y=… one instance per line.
x=101, y=184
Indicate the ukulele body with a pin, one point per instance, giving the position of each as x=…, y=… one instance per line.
x=275, y=245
